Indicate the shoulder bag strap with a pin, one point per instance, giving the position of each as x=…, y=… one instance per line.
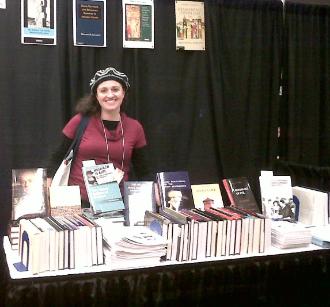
x=72, y=151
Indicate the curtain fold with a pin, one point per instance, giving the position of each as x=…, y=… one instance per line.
x=305, y=126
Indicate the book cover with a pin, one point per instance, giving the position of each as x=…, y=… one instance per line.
x=138, y=198
x=29, y=193
x=240, y=193
x=277, y=197
x=102, y=188
x=207, y=195
x=175, y=190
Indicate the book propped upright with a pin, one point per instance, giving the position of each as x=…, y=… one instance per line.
x=138, y=198
x=276, y=196
x=207, y=195
x=175, y=190
x=103, y=189
x=29, y=193
x=240, y=193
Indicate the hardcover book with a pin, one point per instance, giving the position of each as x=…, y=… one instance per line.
x=29, y=193
x=102, y=188
x=175, y=190
x=240, y=193
x=206, y=195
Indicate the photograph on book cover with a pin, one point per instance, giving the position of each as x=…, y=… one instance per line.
x=190, y=25
x=29, y=193
x=38, y=22
x=138, y=24
x=89, y=23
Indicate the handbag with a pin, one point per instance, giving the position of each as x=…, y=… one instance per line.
x=61, y=177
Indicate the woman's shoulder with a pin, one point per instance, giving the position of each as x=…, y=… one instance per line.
x=130, y=120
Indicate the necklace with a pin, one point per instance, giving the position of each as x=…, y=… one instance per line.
x=122, y=141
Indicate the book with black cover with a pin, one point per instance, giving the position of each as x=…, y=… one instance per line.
x=240, y=193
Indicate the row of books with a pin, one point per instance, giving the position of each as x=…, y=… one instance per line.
x=57, y=243
x=194, y=234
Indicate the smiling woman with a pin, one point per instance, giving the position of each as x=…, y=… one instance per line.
x=110, y=136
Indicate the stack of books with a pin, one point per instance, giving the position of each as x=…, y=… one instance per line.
x=57, y=243
x=287, y=234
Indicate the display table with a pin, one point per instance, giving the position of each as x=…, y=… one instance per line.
x=300, y=277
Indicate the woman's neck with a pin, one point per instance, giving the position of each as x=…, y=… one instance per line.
x=112, y=116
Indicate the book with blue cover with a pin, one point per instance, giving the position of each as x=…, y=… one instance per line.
x=102, y=188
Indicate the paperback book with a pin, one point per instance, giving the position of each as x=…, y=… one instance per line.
x=206, y=195
x=102, y=188
x=175, y=190
x=29, y=193
x=138, y=198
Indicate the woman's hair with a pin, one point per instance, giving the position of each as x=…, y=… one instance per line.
x=88, y=105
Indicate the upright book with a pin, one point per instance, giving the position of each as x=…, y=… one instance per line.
x=175, y=190
x=138, y=198
x=29, y=193
x=207, y=195
x=240, y=193
x=277, y=197
x=102, y=188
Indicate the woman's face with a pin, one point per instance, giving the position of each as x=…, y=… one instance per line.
x=110, y=95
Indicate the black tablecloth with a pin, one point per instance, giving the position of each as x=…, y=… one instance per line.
x=299, y=279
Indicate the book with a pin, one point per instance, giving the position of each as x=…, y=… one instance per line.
x=29, y=193
x=29, y=246
x=240, y=193
x=102, y=188
x=64, y=200
x=175, y=190
x=138, y=198
x=206, y=195
x=277, y=197
x=313, y=205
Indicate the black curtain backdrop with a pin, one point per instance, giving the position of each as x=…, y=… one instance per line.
x=306, y=100
x=213, y=113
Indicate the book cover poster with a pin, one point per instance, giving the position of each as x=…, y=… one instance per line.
x=190, y=25
x=3, y=4
x=89, y=23
x=29, y=193
x=38, y=22
x=138, y=24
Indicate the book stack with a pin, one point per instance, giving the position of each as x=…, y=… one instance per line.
x=215, y=232
x=321, y=236
x=286, y=234
x=57, y=243
x=13, y=234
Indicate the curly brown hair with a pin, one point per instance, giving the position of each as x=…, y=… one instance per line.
x=88, y=105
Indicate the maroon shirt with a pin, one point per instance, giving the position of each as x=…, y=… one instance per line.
x=93, y=145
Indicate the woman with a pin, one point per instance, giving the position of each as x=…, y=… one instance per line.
x=110, y=136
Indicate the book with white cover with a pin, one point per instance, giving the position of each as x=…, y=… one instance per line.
x=277, y=197
x=312, y=204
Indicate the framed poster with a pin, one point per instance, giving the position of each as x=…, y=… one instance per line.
x=89, y=23
x=190, y=25
x=138, y=24
x=38, y=22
